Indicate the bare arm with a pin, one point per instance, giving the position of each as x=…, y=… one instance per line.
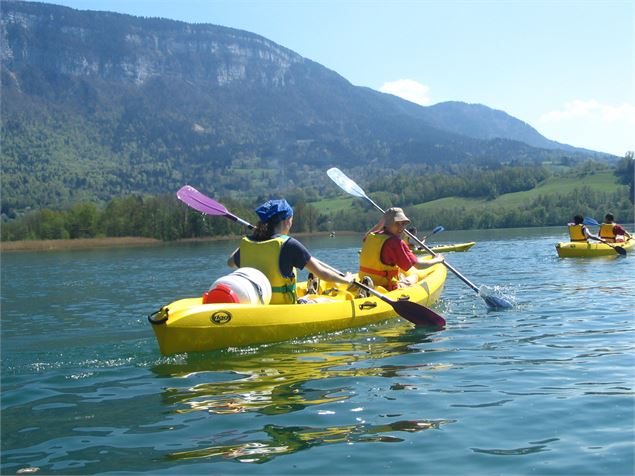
x=426, y=263
x=230, y=261
x=590, y=235
x=323, y=272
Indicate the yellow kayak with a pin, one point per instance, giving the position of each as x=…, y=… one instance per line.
x=188, y=325
x=446, y=248
x=591, y=250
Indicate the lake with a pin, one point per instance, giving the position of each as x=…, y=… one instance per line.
x=543, y=388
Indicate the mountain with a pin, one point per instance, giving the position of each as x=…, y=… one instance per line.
x=99, y=104
x=482, y=122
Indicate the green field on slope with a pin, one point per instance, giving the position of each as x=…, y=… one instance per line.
x=602, y=181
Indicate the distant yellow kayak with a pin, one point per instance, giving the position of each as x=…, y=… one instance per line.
x=446, y=248
x=591, y=250
x=189, y=325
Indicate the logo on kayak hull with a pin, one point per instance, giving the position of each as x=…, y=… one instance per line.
x=221, y=317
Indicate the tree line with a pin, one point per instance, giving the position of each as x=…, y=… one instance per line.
x=162, y=217
x=165, y=218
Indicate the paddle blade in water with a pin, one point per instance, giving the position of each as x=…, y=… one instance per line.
x=496, y=302
x=345, y=183
x=417, y=314
x=202, y=203
x=620, y=250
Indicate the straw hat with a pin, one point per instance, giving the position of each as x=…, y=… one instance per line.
x=393, y=215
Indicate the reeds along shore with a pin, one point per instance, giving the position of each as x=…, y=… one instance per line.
x=87, y=243
x=76, y=244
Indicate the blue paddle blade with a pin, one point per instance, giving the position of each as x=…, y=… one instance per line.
x=496, y=302
x=590, y=221
x=492, y=300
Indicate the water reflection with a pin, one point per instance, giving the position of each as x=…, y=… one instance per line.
x=283, y=378
x=283, y=440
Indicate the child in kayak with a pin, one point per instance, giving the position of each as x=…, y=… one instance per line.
x=613, y=232
x=386, y=258
x=578, y=230
x=272, y=251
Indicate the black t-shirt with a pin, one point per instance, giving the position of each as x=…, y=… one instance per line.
x=292, y=255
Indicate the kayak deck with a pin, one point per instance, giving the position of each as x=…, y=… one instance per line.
x=189, y=325
x=446, y=248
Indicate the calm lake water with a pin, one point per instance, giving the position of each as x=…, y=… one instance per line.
x=544, y=388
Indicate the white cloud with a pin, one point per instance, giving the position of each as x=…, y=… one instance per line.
x=593, y=125
x=409, y=90
x=592, y=109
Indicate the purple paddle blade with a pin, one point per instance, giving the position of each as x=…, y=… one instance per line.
x=196, y=200
x=202, y=203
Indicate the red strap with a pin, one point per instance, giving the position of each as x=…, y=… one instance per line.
x=387, y=273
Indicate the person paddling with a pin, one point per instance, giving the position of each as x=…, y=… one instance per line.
x=613, y=232
x=578, y=230
x=272, y=251
x=384, y=253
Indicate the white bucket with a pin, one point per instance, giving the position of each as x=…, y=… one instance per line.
x=250, y=285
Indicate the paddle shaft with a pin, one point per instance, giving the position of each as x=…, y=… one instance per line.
x=434, y=231
x=425, y=247
x=358, y=283
x=233, y=217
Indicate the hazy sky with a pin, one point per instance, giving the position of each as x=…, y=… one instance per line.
x=564, y=67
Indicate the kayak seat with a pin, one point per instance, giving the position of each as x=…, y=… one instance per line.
x=362, y=293
x=312, y=284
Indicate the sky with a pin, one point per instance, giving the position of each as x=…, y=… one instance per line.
x=565, y=67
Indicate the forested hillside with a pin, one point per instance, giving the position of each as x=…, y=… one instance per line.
x=98, y=106
x=464, y=199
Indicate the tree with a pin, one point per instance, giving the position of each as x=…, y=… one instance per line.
x=626, y=173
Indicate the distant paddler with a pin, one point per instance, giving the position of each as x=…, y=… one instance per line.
x=578, y=231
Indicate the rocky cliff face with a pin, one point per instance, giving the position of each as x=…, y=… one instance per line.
x=129, y=49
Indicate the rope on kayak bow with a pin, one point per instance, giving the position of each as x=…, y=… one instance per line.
x=162, y=316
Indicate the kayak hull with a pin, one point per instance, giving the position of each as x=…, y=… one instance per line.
x=188, y=325
x=591, y=250
x=446, y=248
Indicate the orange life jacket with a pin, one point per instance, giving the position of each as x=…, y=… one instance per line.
x=370, y=262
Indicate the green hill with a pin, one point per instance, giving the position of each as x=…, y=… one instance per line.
x=604, y=181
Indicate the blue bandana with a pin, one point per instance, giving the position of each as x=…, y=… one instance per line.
x=274, y=210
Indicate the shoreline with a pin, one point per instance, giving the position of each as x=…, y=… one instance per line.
x=121, y=241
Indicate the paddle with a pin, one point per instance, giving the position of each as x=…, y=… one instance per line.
x=352, y=188
x=416, y=313
x=593, y=222
x=196, y=200
x=435, y=230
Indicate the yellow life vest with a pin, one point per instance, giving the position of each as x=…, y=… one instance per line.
x=265, y=257
x=606, y=231
x=576, y=233
x=370, y=262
